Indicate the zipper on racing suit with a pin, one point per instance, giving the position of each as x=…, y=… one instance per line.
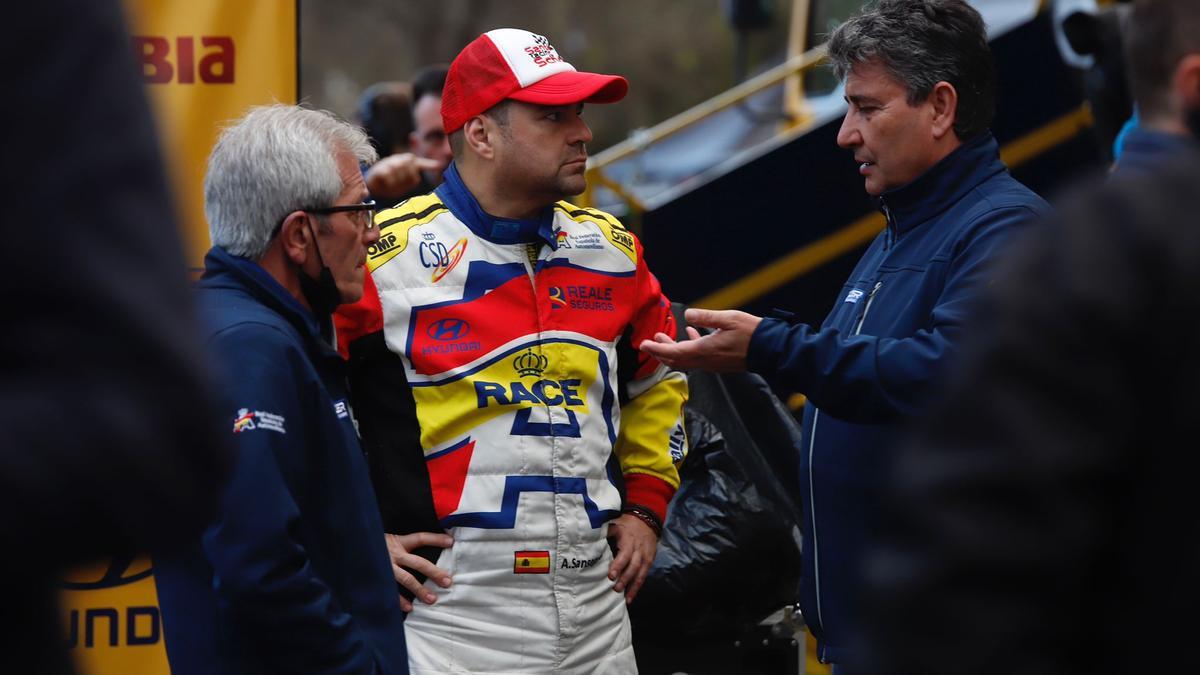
x=531, y=258
x=812, y=439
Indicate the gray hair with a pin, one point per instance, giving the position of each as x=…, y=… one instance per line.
x=921, y=43
x=275, y=160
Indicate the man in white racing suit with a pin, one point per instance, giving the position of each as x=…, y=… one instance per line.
x=543, y=435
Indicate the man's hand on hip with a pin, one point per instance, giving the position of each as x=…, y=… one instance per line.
x=399, y=550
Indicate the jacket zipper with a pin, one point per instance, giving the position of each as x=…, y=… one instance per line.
x=891, y=224
x=867, y=308
x=812, y=442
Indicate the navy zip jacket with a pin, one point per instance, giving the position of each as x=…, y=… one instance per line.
x=294, y=575
x=879, y=356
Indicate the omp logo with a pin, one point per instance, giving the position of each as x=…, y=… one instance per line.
x=530, y=364
x=216, y=66
x=386, y=243
x=623, y=238
x=447, y=330
x=452, y=257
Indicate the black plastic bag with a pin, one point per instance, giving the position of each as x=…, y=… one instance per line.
x=730, y=553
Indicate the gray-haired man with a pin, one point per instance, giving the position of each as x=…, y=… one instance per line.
x=920, y=88
x=294, y=575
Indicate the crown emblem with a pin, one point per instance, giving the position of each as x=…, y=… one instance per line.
x=530, y=364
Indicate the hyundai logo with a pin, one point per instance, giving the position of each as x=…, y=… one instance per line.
x=446, y=330
x=124, y=569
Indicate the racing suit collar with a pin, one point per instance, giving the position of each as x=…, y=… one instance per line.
x=943, y=185
x=455, y=195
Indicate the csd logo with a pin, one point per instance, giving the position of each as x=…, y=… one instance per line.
x=434, y=254
x=121, y=571
x=447, y=330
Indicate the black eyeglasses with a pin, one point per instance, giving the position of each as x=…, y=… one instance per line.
x=363, y=214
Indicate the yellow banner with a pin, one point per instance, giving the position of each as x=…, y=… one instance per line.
x=113, y=624
x=204, y=62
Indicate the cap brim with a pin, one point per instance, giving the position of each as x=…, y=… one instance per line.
x=574, y=87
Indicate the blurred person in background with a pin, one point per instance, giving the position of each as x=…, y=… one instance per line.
x=921, y=89
x=401, y=174
x=385, y=113
x=293, y=575
x=1044, y=519
x=398, y=177
x=1162, y=49
x=108, y=443
x=429, y=138
x=498, y=391
x=1090, y=39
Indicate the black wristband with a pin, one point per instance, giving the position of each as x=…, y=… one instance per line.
x=646, y=516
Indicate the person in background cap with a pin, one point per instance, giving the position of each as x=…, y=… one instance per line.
x=499, y=394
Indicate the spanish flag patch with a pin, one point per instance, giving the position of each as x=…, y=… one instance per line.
x=531, y=562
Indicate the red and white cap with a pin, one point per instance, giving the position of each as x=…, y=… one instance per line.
x=512, y=63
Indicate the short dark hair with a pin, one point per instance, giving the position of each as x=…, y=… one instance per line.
x=429, y=81
x=921, y=43
x=385, y=112
x=498, y=113
x=1159, y=34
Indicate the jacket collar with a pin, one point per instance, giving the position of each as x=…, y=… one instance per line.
x=455, y=195
x=943, y=185
x=1145, y=150
x=225, y=270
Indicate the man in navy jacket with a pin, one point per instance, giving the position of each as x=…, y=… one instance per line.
x=294, y=575
x=920, y=88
